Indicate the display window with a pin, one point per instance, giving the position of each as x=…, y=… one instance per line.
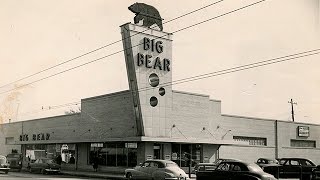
x=184, y=154
x=61, y=153
x=114, y=154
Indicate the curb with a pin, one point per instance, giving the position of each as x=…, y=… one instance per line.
x=104, y=176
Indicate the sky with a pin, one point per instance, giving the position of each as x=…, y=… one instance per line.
x=38, y=34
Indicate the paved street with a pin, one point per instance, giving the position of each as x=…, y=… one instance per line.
x=26, y=175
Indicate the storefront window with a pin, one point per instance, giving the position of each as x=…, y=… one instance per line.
x=111, y=154
x=61, y=153
x=98, y=150
x=67, y=152
x=196, y=154
x=183, y=154
x=175, y=156
x=132, y=154
x=114, y=154
x=121, y=155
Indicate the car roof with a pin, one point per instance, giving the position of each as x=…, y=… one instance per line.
x=269, y=159
x=159, y=160
x=237, y=161
x=230, y=160
x=294, y=159
x=206, y=164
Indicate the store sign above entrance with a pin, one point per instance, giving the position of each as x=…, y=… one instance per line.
x=153, y=62
x=35, y=137
x=303, y=131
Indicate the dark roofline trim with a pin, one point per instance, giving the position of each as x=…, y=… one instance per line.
x=190, y=93
x=105, y=95
x=266, y=119
x=44, y=118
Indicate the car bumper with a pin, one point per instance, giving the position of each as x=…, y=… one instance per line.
x=4, y=169
x=176, y=178
x=52, y=170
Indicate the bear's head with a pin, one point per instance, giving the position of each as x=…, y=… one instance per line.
x=135, y=8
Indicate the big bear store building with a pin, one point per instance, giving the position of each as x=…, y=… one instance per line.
x=152, y=121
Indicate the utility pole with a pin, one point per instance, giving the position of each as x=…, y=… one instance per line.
x=292, y=112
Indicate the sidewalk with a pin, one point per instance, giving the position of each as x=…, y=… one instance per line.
x=103, y=175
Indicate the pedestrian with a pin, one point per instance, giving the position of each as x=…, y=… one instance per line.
x=72, y=160
x=95, y=163
x=59, y=159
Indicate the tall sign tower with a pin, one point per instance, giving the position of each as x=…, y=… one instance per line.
x=148, y=55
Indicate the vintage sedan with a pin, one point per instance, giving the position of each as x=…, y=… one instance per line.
x=295, y=168
x=156, y=170
x=44, y=166
x=212, y=165
x=4, y=166
x=234, y=170
x=15, y=161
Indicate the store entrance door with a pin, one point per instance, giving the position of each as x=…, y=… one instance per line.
x=157, y=151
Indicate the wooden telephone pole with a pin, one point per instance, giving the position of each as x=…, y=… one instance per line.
x=292, y=112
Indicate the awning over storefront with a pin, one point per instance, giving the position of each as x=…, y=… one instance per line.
x=139, y=139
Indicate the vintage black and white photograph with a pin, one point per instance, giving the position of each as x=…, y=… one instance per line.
x=160, y=90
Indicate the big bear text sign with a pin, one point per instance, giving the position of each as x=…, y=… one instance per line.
x=146, y=60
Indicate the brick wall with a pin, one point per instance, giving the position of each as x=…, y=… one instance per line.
x=288, y=131
x=246, y=153
x=193, y=115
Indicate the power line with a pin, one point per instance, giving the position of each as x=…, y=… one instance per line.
x=50, y=108
x=247, y=66
x=105, y=46
x=75, y=67
x=230, y=12
x=223, y=72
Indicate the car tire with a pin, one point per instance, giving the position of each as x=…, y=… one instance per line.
x=6, y=172
x=129, y=176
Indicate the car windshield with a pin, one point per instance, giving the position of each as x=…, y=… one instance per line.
x=254, y=168
x=218, y=161
x=13, y=156
x=273, y=162
x=171, y=165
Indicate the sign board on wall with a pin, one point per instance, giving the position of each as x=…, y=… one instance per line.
x=149, y=157
x=174, y=156
x=96, y=145
x=303, y=131
x=131, y=145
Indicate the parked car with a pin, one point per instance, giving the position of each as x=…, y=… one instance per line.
x=44, y=165
x=15, y=161
x=156, y=170
x=204, y=166
x=263, y=162
x=4, y=166
x=212, y=165
x=295, y=168
x=233, y=170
